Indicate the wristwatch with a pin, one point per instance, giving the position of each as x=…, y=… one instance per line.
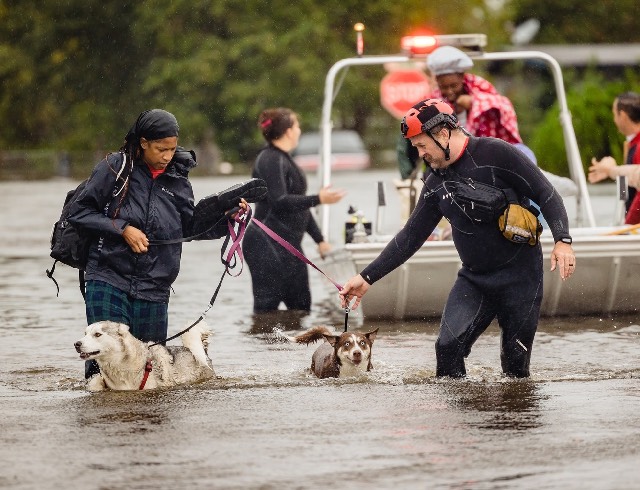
x=568, y=240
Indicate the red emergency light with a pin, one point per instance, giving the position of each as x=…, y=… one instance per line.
x=423, y=44
x=419, y=44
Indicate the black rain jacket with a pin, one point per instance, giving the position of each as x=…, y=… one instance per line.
x=162, y=208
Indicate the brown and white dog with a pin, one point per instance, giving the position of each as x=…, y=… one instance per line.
x=340, y=356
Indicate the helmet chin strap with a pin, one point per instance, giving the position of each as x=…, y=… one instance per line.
x=447, y=150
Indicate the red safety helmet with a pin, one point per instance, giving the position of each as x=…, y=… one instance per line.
x=426, y=115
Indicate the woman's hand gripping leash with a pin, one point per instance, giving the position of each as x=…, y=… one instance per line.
x=240, y=216
x=239, y=211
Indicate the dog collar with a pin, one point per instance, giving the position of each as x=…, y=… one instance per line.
x=148, y=367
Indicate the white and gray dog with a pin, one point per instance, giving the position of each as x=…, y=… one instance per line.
x=125, y=361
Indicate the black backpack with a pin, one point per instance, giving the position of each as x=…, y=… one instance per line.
x=69, y=244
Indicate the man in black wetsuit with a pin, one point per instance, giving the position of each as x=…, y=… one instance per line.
x=498, y=278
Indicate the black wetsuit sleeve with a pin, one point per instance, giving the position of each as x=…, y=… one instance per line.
x=408, y=241
x=276, y=178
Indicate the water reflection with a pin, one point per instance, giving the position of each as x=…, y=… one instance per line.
x=509, y=405
x=285, y=320
x=125, y=411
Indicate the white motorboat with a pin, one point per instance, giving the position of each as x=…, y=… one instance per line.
x=604, y=283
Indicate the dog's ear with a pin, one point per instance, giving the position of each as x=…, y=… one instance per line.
x=332, y=339
x=122, y=329
x=372, y=335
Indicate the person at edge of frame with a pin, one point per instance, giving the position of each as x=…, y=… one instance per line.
x=626, y=117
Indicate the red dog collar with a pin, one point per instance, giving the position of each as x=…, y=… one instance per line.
x=147, y=369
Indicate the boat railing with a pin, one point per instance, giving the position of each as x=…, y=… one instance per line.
x=584, y=212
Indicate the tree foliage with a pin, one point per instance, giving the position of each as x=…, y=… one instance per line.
x=74, y=74
x=577, y=21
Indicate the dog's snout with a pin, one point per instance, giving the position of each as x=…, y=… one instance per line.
x=357, y=354
x=77, y=345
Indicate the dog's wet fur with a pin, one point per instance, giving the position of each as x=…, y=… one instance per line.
x=340, y=356
x=122, y=358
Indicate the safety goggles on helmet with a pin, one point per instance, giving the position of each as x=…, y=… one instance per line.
x=426, y=115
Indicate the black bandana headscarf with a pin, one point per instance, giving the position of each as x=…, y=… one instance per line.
x=152, y=125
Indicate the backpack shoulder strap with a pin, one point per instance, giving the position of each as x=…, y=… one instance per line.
x=81, y=283
x=50, y=276
x=122, y=177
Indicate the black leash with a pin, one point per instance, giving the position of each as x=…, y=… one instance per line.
x=346, y=317
x=229, y=263
x=204, y=313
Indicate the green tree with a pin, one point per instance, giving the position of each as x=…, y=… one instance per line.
x=589, y=100
x=66, y=67
x=577, y=21
x=75, y=72
x=230, y=62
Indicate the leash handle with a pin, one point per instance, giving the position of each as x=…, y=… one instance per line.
x=241, y=219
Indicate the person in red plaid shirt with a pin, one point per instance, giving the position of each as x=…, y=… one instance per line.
x=479, y=107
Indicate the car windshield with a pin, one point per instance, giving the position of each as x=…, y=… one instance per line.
x=343, y=141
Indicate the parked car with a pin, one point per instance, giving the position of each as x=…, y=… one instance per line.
x=347, y=151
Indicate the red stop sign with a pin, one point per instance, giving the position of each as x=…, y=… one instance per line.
x=401, y=89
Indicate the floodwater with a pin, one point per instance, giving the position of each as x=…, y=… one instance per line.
x=266, y=423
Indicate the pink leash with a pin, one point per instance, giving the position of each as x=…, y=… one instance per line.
x=242, y=218
x=293, y=250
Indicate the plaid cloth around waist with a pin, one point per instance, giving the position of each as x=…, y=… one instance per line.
x=147, y=320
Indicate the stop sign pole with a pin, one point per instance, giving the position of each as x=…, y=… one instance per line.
x=401, y=89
